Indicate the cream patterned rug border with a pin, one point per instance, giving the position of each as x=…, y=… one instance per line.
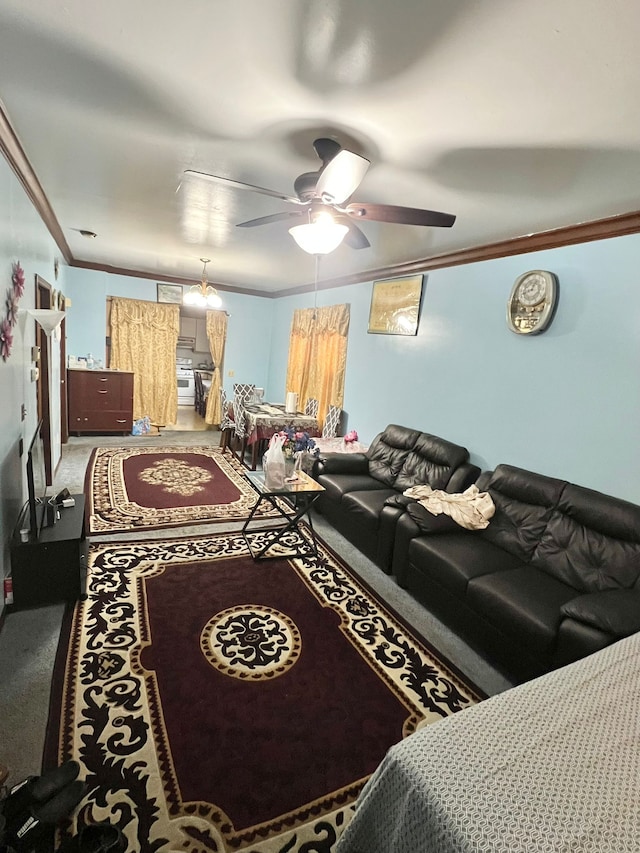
x=110, y=510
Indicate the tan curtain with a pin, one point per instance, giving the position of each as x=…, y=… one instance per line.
x=144, y=336
x=217, y=337
x=318, y=355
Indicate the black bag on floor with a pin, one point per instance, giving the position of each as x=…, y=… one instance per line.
x=102, y=837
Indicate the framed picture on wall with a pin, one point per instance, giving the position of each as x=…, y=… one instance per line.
x=395, y=306
x=170, y=293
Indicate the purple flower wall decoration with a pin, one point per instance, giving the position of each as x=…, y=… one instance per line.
x=11, y=304
x=6, y=339
x=12, y=307
x=18, y=279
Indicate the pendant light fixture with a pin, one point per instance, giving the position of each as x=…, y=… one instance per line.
x=203, y=295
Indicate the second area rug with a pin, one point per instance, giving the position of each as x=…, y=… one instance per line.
x=219, y=704
x=147, y=488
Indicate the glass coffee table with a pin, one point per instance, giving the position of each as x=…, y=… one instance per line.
x=292, y=502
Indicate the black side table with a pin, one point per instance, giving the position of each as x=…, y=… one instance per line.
x=292, y=502
x=53, y=566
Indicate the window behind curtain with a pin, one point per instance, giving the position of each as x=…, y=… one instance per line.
x=318, y=356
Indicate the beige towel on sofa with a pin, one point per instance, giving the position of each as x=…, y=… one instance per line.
x=471, y=509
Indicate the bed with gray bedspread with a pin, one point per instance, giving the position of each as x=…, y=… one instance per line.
x=551, y=765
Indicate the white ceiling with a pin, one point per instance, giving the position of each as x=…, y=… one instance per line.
x=516, y=116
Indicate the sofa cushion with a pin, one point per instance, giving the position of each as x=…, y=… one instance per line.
x=453, y=559
x=592, y=541
x=388, y=450
x=431, y=462
x=524, y=603
x=523, y=502
x=339, y=485
x=616, y=611
x=366, y=506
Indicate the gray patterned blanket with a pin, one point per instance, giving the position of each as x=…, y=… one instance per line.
x=552, y=765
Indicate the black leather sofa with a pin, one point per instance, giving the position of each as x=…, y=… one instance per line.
x=554, y=577
x=362, y=488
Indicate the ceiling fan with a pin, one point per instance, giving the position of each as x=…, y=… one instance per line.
x=322, y=194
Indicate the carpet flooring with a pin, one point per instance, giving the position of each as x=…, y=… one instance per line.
x=220, y=704
x=150, y=487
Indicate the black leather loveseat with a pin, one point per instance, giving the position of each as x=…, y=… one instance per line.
x=361, y=488
x=554, y=577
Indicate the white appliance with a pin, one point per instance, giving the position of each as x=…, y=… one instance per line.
x=186, y=382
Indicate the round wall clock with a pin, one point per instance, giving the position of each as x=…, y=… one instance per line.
x=532, y=302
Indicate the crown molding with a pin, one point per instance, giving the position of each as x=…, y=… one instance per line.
x=168, y=279
x=619, y=225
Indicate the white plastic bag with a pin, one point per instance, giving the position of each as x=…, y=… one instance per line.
x=273, y=463
x=141, y=426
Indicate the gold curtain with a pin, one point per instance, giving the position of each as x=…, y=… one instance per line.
x=217, y=337
x=144, y=336
x=318, y=355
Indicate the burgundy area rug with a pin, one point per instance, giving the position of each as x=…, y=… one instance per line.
x=147, y=488
x=220, y=704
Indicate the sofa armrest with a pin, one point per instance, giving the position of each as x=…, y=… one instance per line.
x=616, y=611
x=464, y=476
x=400, y=501
x=341, y=463
x=429, y=523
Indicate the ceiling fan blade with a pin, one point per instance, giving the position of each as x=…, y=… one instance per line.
x=272, y=217
x=239, y=185
x=355, y=238
x=400, y=215
x=341, y=177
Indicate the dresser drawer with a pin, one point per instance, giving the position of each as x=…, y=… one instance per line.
x=102, y=422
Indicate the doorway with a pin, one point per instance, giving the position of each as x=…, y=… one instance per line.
x=43, y=300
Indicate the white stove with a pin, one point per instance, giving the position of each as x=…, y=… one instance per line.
x=186, y=382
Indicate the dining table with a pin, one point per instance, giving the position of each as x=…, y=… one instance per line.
x=265, y=419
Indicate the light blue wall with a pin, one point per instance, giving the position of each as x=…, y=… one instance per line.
x=24, y=238
x=564, y=403
x=248, y=331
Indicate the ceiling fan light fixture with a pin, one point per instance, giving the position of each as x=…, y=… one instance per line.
x=203, y=295
x=319, y=237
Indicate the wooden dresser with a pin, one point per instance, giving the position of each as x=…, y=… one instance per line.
x=100, y=401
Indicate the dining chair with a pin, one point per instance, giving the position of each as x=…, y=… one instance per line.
x=330, y=427
x=240, y=429
x=311, y=407
x=200, y=401
x=226, y=424
x=243, y=391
